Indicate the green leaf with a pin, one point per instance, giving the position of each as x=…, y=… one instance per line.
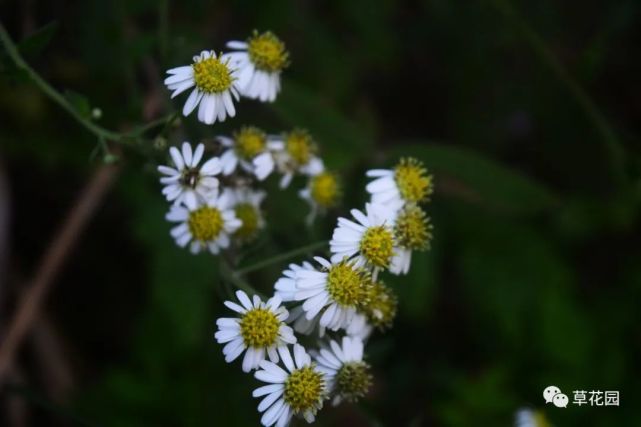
x=335, y=133
x=33, y=45
x=477, y=179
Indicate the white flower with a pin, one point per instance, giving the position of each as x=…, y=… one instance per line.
x=186, y=181
x=298, y=390
x=359, y=327
x=348, y=376
x=259, y=330
x=215, y=82
x=412, y=231
x=336, y=290
x=249, y=148
x=259, y=60
x=530, y=418
x=247, y=209
x=295, y=152
x=370, y=241
x=207, y=225
x=408, y=182
x=323, y=191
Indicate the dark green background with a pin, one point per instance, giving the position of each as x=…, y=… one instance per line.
x=527, y=112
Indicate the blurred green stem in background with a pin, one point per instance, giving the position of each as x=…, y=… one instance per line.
x=100, y=132
x=613, y=145
x=281, y=257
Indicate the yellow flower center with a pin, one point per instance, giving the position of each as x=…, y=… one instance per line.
x=259, y=328
x=212, y=75
x=250, y=142
x=377, y=245
x=248, y=214
x=413, y=181
x=304, y=389
x=300, y=146
x=346, y=284
x=205, y=223
x=353, y=380
x=381, y=305
x=267, y=52
x=413, y=229
x=325, y=189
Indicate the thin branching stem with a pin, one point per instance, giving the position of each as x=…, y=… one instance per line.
x=281, y=258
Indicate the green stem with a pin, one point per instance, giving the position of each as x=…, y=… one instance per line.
x=613, y=145
x=230, y=276
x=280, y=258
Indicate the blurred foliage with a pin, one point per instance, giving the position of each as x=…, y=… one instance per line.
x=533, y=277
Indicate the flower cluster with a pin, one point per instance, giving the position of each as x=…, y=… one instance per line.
x=340, y=300
x=215, y=203
x=334, y=303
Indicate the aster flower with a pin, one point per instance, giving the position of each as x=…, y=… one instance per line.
x=412, y=231
x=530, y=418
x=296, y=153
x=379, y=310
x=336, y=290
x=370, y=241
x=259, y=330
x=249, y=147
x=299, y=389
x=408, y=182
x=322, y=192
x=186, y=181
x=246, y=203
x=348, y=376
x=215, y=83
x=260, y=61
x=204, y=225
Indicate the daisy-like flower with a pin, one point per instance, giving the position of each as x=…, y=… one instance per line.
x=297, y=154
x=412, y=232
x=259, y=330
x=530, y=418
x=187, y=182
x=259, y=60
x=408, y=182
x=204, y=225
x=249, y=147
x=299, y=389
x=323, y=191
x=336, y=290
x=348, y=376
x=215, y=83
x=370, y=241
x=379, y=309
x=247, y=209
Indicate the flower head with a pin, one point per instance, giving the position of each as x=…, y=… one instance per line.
x=260, y=60
x=323, y=191
x=247, y=209
x=412, y=231
x=299, y=389
x=259, y=330
x=204, y=225
x=530, y=418
x=215, y=83
x=249, y=147
x=381, y=305
x=186, y=181
x=370, y=240
x=408, y=182
x=348, y=376
x=297, y=154
x=334, y=292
